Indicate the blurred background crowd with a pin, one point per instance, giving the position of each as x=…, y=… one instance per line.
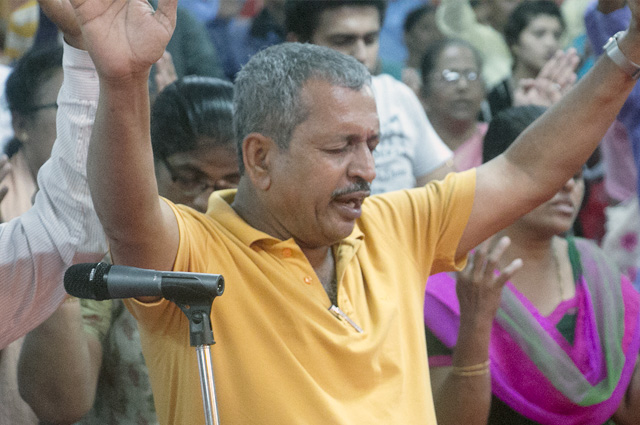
x=465, y=61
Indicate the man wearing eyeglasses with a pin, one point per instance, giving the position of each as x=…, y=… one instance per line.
x=410, y=152
x=31, y=92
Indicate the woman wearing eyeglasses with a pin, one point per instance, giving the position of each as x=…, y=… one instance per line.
x=452, y=94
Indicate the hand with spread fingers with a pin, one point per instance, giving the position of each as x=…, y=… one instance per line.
x=123, y=37
x=62, y=14
x=478, y=286
x=554, y=80
x=467, y=382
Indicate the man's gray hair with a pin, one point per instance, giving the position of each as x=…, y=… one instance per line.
x=267, y=89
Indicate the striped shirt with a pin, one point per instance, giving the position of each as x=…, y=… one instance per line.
x=62, y=227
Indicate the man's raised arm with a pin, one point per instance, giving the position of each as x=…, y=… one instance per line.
x=554, y=147
x=124, y=38
x=61, y=228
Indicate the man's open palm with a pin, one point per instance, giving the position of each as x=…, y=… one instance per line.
x=123, y=37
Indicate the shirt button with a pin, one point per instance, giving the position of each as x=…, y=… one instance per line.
x=308, y=280
x=286, y=253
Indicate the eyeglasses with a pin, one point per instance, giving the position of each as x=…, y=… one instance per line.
x=452, y=77
x=37, y=108
x=193, y=182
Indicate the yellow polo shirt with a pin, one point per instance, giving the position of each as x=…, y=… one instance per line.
x=281, y=357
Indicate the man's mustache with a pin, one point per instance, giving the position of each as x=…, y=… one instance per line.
x=360, y=185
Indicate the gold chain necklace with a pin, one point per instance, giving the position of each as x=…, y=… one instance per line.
x=554, y=251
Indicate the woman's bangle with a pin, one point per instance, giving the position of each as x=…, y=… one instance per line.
x=473, y=370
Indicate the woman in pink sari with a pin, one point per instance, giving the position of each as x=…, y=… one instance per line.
x=557, y=344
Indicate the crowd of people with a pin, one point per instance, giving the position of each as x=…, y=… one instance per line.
x=408, y=201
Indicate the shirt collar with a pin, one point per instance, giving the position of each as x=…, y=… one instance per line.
x=220, y=209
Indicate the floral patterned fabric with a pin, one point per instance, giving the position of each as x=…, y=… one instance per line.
x=622, y=237
x=124, y=392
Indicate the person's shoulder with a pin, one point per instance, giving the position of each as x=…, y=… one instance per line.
x=455, y=182
x=5, y=70
x=395, y=95
x=499, y=89
x=458, y=185
x=590, y=252
x=583, y=244
x=388, y=84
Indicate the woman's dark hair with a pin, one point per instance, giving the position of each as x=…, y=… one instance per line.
x=30, y=72
x=526, y=12
x=431, y=55
x=415, y=15
x=302, y=16
x=505, y=128
x=189, y=108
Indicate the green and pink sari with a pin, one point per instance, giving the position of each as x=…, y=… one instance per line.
x=547, y=375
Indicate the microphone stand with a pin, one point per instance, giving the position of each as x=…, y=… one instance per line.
x=198, y=311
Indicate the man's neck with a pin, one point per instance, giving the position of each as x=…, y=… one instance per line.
x=323, y=263
x=248, y=207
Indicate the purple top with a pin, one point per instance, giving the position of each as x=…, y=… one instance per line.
x=600, y=27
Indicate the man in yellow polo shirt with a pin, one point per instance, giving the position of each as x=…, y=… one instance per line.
x=321, y=321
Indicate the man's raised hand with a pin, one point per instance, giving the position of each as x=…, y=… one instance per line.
x=123, y=37
x=61, y=13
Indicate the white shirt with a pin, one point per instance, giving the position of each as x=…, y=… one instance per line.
x=409, y=147
x=6, y=130
x=61, y=228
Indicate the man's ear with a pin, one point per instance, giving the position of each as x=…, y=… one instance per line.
x=258, y=151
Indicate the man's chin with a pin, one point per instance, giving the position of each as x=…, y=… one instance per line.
x=343, y=230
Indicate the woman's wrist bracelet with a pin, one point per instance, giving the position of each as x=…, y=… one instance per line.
x=472, y=370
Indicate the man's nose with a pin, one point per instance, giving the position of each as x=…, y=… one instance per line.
x=363, y=165
x=462, y=83
x=359, y=50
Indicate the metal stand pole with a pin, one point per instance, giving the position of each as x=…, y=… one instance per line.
x=207, y=385
x=198, y=311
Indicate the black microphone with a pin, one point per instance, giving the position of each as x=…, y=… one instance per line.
x=102, y=281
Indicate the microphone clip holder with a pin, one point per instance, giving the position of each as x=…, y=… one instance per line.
x=199, y=315
x=198, y=311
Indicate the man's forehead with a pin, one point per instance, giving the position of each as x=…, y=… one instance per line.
x=345, y=105
x=348, y=18
x=317, y=88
